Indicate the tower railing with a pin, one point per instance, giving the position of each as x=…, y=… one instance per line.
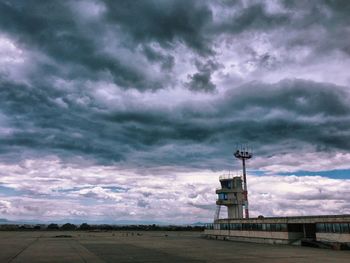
x=229, y=176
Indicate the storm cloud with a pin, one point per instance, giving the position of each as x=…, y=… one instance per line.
x=163, y=87
x=298, y=111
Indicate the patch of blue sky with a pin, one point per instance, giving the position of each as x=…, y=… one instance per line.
x=335, y=174
x=8, y=191
x=256, y=172
x=115, y=189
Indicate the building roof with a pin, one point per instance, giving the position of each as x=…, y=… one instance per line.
x=290, y=219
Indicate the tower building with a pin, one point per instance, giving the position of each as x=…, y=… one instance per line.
x=322, y=231
x=234, y=192
x=231, y=195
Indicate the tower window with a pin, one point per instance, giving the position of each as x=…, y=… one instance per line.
x=222, y=196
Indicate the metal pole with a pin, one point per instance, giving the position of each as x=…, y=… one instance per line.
x=245, y=192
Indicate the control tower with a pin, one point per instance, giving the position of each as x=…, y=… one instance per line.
x=231, y=194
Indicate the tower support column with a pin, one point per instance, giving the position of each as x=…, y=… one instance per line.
x=243, y=155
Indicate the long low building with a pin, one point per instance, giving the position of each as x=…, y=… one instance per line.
x=283, y=230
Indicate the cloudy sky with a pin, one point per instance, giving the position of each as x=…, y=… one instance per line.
x=130, y=110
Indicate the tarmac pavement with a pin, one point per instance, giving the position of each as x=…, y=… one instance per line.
x=139, y=246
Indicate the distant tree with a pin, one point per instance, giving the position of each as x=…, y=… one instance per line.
x=52, y=227
x=154, y=227
x=25, y=227
x=37, y=227
x=84, y=226
x=105, y=227
x=8, y=227
x=68, y=226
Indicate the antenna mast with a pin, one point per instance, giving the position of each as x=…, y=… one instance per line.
x=244, y=154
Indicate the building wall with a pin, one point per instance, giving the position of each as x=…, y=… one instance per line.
x=256, y=234
x=287, y=230
x=291, y=220
x=271, y=237
x=333, y=237
x=249, y=236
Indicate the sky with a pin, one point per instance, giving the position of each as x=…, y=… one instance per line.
x=131, y=110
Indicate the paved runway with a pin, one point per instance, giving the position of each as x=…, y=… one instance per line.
x=52, y=246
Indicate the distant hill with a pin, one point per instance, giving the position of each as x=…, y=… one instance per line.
x=4, y=221
x=198, y=224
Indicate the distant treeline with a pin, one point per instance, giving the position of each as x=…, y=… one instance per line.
x=87, y=227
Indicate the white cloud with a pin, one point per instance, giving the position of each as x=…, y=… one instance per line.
x=309, y=161
x=50, y=190
x=298, y=195
x=12, y=59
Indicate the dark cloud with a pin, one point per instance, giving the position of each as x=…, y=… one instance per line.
x=201, y=81
x=321, y=26
x=167, y=61
x=135, y=45
x=254, y=17
x=53, y=29
x=304, y=112
x=163, y=22
x=82, y=47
